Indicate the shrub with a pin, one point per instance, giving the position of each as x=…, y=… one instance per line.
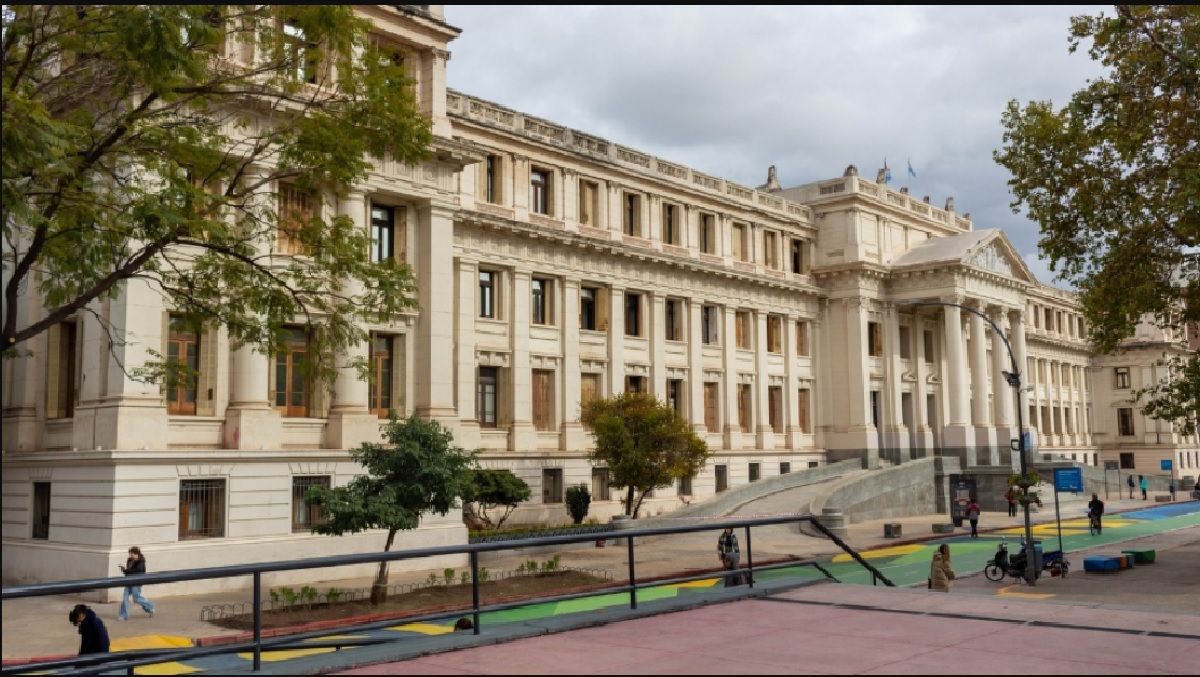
x=578, y=499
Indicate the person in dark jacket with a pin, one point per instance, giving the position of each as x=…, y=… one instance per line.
x=727, y=550
x=93, y=636
x=135, y=565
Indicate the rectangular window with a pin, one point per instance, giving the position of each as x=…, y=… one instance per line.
x=739, y=241
x=183, y=367
x=875, y=408
x=542, y=387
x=1124, y=421
x=587, y=308
x=541, y=301
x=305, y=516
x=874, y=339
x=712, y=405
x=802, y=409
x=798, y=257
x=589, y=204
x=302, y=57
x=1127, y=461
x=775, y=408
x=485, y=394
x=802, y=338
x=201, y=509
x=383, y=234
x=1082, y=333
x=785, y=467
x=379, y=389
x=708, y=234
x=491, y=179
x=1121, y=378
x=539, y=191
x=754, y=472
x=61, y=370
x=742, y=325
x=41, y=511
x=631, y=218
x=927, y=338
x=487, y=293
x=771, y=249
x=297, y=208
x=905, y=343
x=600, y=488
x=774, y=334
x=744, y=413
x=589, y=388
x=552, y=485
x=635, y=384
x=633, y=314
x=710, y=320
x=675, y=397
x=722, y=472
x=674, y=319
x=671, y=233
x=685, y=486
x=291, y=385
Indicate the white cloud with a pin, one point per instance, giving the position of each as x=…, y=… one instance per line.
x=731, y=90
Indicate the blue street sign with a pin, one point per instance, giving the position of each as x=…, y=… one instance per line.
x=1068, y=479
x=1165, y=464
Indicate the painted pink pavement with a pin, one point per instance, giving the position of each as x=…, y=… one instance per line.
x=840, y=629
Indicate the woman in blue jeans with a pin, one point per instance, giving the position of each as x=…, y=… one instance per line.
x=135, y=565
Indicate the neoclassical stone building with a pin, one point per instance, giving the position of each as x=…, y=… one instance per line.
x=792, y=327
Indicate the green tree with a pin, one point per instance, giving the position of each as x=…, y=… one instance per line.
x=489, y=489
x=579, y=499
x=644, y=444
x=1113, y=179
x=143, y=142
x=417, y=471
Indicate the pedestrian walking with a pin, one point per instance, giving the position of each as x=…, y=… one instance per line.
x=940, y=570
x=973, y=515
x=731, y=557
x=1011, y=497
x=1129, y=481
x=134, y=566
x=93, y=636
x=1171, y=488
x=1143, y=483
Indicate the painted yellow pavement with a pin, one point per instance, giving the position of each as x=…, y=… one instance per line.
x=424, y=628
x=894, y=551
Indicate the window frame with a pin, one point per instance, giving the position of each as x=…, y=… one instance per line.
x=775, y=334
x=670, y=222
x=1121, y=378
x=383, y=233
x=552, y=495
x=631, y=214
x=487, y=376
x=633, y=314
x=708, y=234
x=541, y=395
x=183, y=389
x=294, y=382
x=712, y=406
x=381, y=395
x=541, y=301
x=540, y=186
x=213, y=494
x=1125, y=423
x=673, y=319
x=313, y=515
x=738, y=242
x=802, y=342
x=489, y=294
x=710, y=325
x=742, y=322
x=874, y=339
x=42, y=496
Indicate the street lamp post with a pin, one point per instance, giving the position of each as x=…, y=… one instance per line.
x=1013, y=379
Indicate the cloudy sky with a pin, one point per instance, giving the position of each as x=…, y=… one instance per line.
x=732, y=90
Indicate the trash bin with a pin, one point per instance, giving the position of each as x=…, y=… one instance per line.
x=621, y=523
x=891, y=530
x=1038, y=562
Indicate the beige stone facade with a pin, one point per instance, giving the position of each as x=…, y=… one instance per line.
x=792, y=327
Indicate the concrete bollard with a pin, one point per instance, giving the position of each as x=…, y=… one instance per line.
x=835, y=521
x=621, y=523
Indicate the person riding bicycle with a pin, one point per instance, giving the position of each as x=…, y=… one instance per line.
x=1095, y=511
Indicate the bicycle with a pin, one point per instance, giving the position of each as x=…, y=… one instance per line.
x=1094, y=526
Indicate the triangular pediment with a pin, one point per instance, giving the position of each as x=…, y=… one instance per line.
x=988, y=250
x=996, y=254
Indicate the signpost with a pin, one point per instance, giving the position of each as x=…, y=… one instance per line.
x=1166, y=464
x=1065, y=479
x=1111, y=465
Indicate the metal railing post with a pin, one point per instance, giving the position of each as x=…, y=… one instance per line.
x=257, y=620
x=475, y=590
x=632, y=577
x=749, y=558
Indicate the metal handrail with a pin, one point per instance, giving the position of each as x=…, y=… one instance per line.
x=129, y=660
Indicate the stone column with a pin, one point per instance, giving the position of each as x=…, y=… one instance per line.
x=733, y=432
x=791, y=385
x=573, y=435
x=981, y=410
x=764, y=435
x=250, y=421
x=434, y=265
x=958, y=439
x=923, y=437
x=895, y=432
x=25, y=375
x=466, y=310
x=655, y=326
x=350, y=422
x=696, y=365
x=616, y=341
x=1002, y=393
x=861, y=440
x=522, y=436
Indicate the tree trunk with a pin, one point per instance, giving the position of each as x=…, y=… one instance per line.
x=379, y=588
x=629, y=502
x=638, y=506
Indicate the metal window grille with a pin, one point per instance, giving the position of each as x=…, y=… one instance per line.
x=41, y=510
x=201, y=509
x=304, y=515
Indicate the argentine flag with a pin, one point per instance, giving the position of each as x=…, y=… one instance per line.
x=911, y=172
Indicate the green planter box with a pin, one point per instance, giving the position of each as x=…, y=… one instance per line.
x=1141, y=556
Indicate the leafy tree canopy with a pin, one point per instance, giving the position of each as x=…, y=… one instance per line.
x=489, y=489
x=418, y=471
x=644, y=444
x=1113, y=178
x=146, y=142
